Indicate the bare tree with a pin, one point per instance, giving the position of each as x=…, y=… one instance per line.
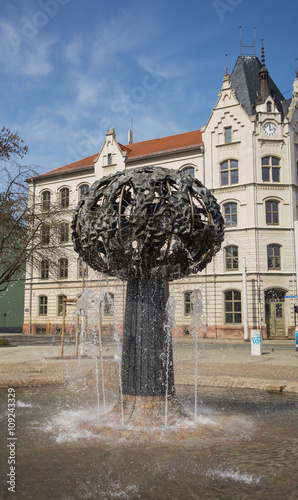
x=22, y=223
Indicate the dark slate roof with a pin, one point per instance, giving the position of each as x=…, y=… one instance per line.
x=285, y=106
x=245, y=82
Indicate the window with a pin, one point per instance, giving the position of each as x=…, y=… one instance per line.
x=60, y=305
x=64, y=198
x=229, y=172
x=269, y=107
x=110, y=158
x=63, y=232
x=232, y=258
x=45, y=234
x=108, y=309
x=272, y=216
x=44, y=269
x=273, y=257
x=232, y=306
x=84, y=189
x=189, y=170
x=270, y=169
x=230, y=213
x=43, y=305
x=46, y=201
x=82, y=266
x=63, y=268
x=228, y=135
x=187, y=302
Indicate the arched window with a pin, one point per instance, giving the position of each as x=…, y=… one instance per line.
x=45, y=234
x=232, y=306
x=46, y=201
x=273, y=257
x=63, y=268
x=64, y=197
x=269, y=107
x=63, y=232
x=108, y=308
x=231, y=258
x=60, y=305
x=187, y=303
x=43, y=305
x=84, y=189
x=272, y=212
x=229, y=172
x=230, y=214
x=189, y=170
x=270, y=169
x=44, y=269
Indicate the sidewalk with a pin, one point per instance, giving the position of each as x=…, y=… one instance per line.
x=220, y=364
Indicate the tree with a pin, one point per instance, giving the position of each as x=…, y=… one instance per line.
x=11, y=145
x=21, y=221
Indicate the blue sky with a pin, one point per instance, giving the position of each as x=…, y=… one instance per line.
x=71, y=69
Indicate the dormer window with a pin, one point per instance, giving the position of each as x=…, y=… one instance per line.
x=228, y=135
x=110, y=158
x=269, y=107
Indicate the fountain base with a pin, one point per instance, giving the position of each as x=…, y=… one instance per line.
x=148, y=411
x=144, y=418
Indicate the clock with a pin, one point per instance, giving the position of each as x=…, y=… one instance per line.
x=269, y=129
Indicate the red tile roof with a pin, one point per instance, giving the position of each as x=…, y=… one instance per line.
x=85, y=163
x=163, y=145
x=139, y=150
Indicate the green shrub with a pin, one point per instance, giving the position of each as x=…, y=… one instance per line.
x=4, y=341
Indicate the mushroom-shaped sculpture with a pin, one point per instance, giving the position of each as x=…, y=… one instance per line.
x=147, y=226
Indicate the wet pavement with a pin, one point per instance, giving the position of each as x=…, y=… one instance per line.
x=35, y=360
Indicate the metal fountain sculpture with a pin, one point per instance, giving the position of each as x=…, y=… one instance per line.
x=147, y=226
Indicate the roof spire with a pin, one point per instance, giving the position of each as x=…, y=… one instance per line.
x=263, y=53
x=226, y=79
x=226, y=66
x=264, y=88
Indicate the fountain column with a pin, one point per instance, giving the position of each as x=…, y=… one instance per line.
x=146, y=348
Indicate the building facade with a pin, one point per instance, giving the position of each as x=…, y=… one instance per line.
x=247, y=155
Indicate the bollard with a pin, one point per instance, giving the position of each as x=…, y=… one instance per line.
x=256, y=343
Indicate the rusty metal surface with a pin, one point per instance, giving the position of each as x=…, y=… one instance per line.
x=146, y=222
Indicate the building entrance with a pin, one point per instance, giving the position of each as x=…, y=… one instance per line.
x=275, y=312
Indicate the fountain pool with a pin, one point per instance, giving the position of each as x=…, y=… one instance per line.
x=244, y=445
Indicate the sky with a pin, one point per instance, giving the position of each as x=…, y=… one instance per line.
x=72, y=69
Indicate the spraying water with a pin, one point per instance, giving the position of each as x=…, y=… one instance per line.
x=196, y=326
x=170, y=315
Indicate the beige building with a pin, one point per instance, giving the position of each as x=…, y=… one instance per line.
x=247, y=156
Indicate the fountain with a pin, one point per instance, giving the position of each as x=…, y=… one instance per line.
x=147, y=226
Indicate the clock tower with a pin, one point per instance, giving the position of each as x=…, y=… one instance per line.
x=267, y=108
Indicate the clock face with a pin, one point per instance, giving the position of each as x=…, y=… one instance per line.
x=269, y=129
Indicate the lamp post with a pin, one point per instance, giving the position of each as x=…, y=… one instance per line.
x=245, y=308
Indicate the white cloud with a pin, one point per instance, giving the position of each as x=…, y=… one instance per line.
x=74, y=51
x=24, y=56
